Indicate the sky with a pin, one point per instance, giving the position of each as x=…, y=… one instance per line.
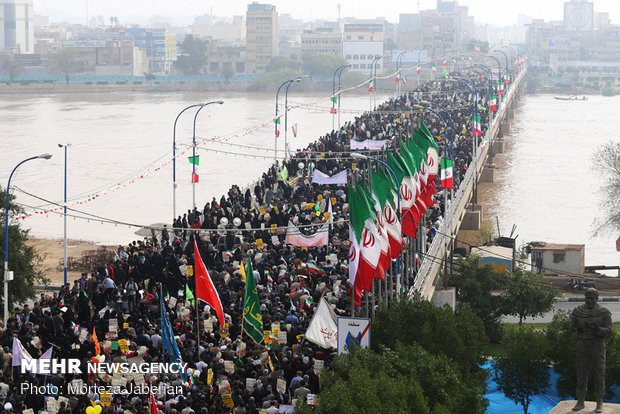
x=498, y=12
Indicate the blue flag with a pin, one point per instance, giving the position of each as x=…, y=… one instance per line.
x=168, y=342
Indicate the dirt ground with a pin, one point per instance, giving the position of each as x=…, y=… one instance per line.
x=53, y=252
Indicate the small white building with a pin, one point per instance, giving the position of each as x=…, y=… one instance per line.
x=560, y=258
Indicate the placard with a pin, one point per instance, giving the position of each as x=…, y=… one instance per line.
x=229, y=367
x=77, y=383
x=241, y=347
x=281, y=387
x=190, y=270
x=126, y=325
x=28, y=411
x=282, y=337
x=250, y=383
x=209, y=376
x=172, y=302
x=183, y=269
x=275, y=328
x=52, y=405
x=208, y=324
x=113, y=325
x=83, y=335
x=275, y=240
x=122, y=343
x=318, y=366
x=259, y=244
x=105, y=398
x=353, y=332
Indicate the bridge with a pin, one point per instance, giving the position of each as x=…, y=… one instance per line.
x=463, y=210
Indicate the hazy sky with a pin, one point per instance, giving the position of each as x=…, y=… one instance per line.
x=500, y=12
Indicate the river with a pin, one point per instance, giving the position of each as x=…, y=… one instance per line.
x=547, y=187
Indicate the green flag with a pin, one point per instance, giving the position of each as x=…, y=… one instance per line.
x=194, y=160
x=189, y=295
x=284, y=173
x=334, y=99
x=252, y=317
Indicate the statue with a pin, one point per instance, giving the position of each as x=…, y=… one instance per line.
x=593, y=324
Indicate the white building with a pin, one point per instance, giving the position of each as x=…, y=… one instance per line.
x=361, y=43
x=560, y=258
x=17, y=26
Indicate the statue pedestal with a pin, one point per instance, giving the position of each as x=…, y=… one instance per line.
x=566, y=407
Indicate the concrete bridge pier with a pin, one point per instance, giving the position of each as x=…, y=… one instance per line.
x=498, y=146
x=488, y=174
x=472, y=217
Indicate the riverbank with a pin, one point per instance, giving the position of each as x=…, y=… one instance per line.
x=52, y=252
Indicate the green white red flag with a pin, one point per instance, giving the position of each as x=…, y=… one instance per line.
x=446, y=173
x=195, y=161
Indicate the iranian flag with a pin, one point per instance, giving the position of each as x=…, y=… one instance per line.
x=195, y=161
x=383, y=192
x=500, y=88
x=384, y=243
x=477, y=125
x=354, y=258
x=506, y=78
x=493, y=103
x=294, y=130
x=417, y=69
x=446, y=173
x=365, y=237
x=276, y=122
x=398, y=76
x=409, y=212
x=426, y=142
x=433, y=69
x=314, y=269
x=417, y=160
x=445, y=62
x=371, y=85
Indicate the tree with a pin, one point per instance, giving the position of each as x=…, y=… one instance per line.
x=280, y=62
x=320, y=65
x=193, y=56
x=270, y=82
x=527, y=295
x=9, y=67
x=24, y=260
x=227, y=72
x=475, y=286
x=607, y=162
x=66, y=61
x=524, y=371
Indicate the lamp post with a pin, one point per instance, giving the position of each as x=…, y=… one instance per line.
x=398, y=59
x=339, y=75
x=8, y=275
x=333, y=110
x=194, y=150
x=65, y=146
x=277, y=120
x=373, y=66
x=296, y=80
x=359, y=156
x=506, y=57
x=174, y=160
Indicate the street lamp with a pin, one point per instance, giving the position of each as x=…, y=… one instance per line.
x=339, y=75
x=65, y=146
x=277, y=121
x=398, y=59
x=296, y=80
x=174, y=160
x=8, y=275
x=333, y=110
x=194, y=150
x=373, y=65
x=356, y=155
x=506, y=57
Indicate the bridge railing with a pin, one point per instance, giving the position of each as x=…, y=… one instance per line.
x=432, y=259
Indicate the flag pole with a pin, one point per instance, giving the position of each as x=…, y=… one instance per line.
x=196, y=306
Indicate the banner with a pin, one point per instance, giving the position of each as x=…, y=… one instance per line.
x=320, y=178
x=296, y=238
x=368, y=144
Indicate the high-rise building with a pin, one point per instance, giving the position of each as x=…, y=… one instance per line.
x=327, y=41
x=261, y=36
x=361, y=44
x=17, y=26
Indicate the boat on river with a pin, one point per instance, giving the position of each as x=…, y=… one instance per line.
x=571, y=98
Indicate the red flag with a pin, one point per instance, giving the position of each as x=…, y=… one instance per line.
x=97, y=347
x=152, y=404
x=205, y=290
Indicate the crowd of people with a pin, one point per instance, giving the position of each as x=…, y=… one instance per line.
x=246, y=224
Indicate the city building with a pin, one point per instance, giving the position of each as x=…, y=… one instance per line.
x=17, y=26
x=361, y=44
x=440, y=30
x=108, y=57
x=223, y=31
x=562, y=258
x=584, y=41
x=261, y=36
x=153, y=41
x=327, y=41
x=225, y=59
x=171, y=52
